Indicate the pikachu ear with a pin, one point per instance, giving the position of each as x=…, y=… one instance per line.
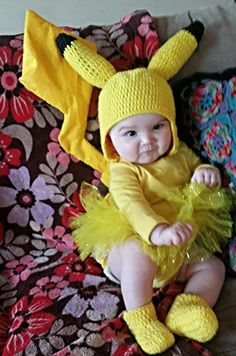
x=173, y=54
x=91, y=66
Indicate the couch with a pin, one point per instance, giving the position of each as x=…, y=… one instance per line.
x=52, y=302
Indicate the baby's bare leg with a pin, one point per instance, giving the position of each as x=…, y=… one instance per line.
x=204, y=279
x=136, y=272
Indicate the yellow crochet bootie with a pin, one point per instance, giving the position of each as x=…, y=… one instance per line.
x=152, y=336
x=191, y=316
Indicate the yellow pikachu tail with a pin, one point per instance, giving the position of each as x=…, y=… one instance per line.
x=176, y=51
x=91, y=66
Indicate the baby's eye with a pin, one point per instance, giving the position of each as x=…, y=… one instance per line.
x=130, y=133
x=157, y=126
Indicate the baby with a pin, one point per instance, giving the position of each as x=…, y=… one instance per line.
x=146, y=167
x=147, y=162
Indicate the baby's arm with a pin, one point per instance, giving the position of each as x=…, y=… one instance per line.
x=128, y=195
x=176, y=234
x=208, y=175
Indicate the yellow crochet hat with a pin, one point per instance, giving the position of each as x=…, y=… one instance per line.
x=130, y=93
x=136, y=91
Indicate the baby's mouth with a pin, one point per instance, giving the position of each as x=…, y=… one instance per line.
x=150, y=151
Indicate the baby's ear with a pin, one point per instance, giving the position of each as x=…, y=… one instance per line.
x=173, y=54
x=91, y=66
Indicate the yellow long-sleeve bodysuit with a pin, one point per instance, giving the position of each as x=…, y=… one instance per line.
x=140, y=198
x=136, y=188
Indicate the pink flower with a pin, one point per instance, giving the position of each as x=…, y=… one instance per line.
x=17, y=270
x=58, y=239
x=97, y=176
x=49, y=287
x=56, y=150
x=125, y=19
x=17, y=42
x=144, y=28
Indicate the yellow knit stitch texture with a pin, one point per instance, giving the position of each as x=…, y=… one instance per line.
x=191, y=316
x=95, y=69
x=130, y=93
x=173, y=54
x=152, y=336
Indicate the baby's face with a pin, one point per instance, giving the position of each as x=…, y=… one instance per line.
x=142, y=138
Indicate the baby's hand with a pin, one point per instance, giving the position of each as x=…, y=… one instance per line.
x=176, y=234
x=210, y=176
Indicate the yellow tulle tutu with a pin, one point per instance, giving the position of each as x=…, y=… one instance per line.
x=207, y=209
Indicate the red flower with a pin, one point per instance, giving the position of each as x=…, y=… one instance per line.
x=127, y=350
x=4, y=327
x=75, y=269
x=27, y=320
x=12, y=93
x=137, y=52
x=113, y=329
x=72, y=211
x=8, y=156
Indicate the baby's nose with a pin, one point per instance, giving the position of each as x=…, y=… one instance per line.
x=147, y=138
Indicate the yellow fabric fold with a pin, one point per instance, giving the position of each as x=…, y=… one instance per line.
x=50, y=77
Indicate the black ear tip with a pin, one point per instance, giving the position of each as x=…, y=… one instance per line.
x=199, y=26
x=196, y=28
x=64, y=40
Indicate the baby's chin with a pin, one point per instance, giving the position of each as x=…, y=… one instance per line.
x=147, y=158
x=148, y=161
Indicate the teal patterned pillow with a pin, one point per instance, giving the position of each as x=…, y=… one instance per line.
x=232, y=255
x=206, y=116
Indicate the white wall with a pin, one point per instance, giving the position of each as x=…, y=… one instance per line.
x=84, y=12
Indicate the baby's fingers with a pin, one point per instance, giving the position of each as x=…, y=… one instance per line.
x=215, y=179
x=208, y=178
x=184, y=228
x=182, y=233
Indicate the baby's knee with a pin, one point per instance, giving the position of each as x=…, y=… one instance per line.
x=217, y=267
x=131, y=248
x=124, y=256
x=133, y=256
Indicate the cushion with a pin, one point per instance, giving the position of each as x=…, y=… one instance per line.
x=42, y=277
x=51, y=301
x=206, y=114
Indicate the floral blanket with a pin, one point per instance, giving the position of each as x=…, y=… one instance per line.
x=51, y=302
